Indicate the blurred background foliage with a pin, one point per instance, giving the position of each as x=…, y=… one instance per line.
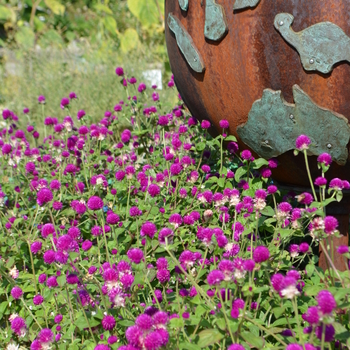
x=52, y=47
x=125, y=24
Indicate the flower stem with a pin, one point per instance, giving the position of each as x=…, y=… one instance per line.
x=295, y=307
x=31, y=259
x=86, y=319
x=225, y=315
x=30, y=312
x=309, y=175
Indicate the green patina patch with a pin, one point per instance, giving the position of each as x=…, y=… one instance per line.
x=320, y=46
x=273, y=126
x=215, y=26
x=186, y=44
x=242, y=4
x=183, y=5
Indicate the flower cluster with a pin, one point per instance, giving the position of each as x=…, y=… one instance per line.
x=126, y=231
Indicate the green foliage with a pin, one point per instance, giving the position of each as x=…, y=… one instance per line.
x=55, y=73
x=123, y=23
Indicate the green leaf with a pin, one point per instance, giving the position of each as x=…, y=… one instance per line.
x=200, y=310
x=253, y=340
x=268, y=211
x=110, y=24
x=221, y=323
x=125, y=323
x=278, y=311
x=55, y=6
x=285, y=232
x=81, y=322
x=7, y=14
x=188, y=346
x=258, y=163
x=239, y=173
x=339, y=196
x=129, y=40
x=17, y=221
x=230, y=138
x=103, y=8
x=3, y=306
x=176, y=322
x=25, y=37
x=146, y=11
x=200, y=146
x=310, y=268
x=221, y=182
x=61, y=280
x=51, y=38
x=283, y=321
x=208, y=337
x=312, y=290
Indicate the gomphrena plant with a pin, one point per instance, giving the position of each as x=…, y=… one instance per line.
x=159, y=236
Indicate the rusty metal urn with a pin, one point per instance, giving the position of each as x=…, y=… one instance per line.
x=274, y=69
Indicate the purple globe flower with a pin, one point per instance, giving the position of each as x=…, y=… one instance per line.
x=215, y=277
x=302, y=142
x=72, y=278
x=38, y=299
x=35, y=247
x=64, y=102
x=153, y=190
x=141, y=87
x=108, y=322
x=343, y=249
x=326, y=302
x=135, y=255
x=95, y=203
x=16, y=292
x=119, y=71
x=18, y=325
x=261, y=254
x=205, y=124
x=325, y=158
x=330, y=224
x=153, y=341
x=49, y=257
x=44, y=196
x=224, y=124
x=163, y=276
x=144, y=322
x=336, y=184
x=148, y=229
x=312, y=316
x=320, y=181
x=41, y=99
x=246, y=154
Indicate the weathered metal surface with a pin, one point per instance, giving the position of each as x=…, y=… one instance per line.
x=320, y=46
x=185, y=44
x=215, y=26
x=253, y=57
x=273, y=126
x=242, y=4
x=183, y=5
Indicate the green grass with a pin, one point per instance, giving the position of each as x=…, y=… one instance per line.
x=90, y=74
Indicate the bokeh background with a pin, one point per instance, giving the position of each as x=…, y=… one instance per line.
x=53, y=47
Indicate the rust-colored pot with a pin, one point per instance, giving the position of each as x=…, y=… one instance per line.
x=253, y=56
